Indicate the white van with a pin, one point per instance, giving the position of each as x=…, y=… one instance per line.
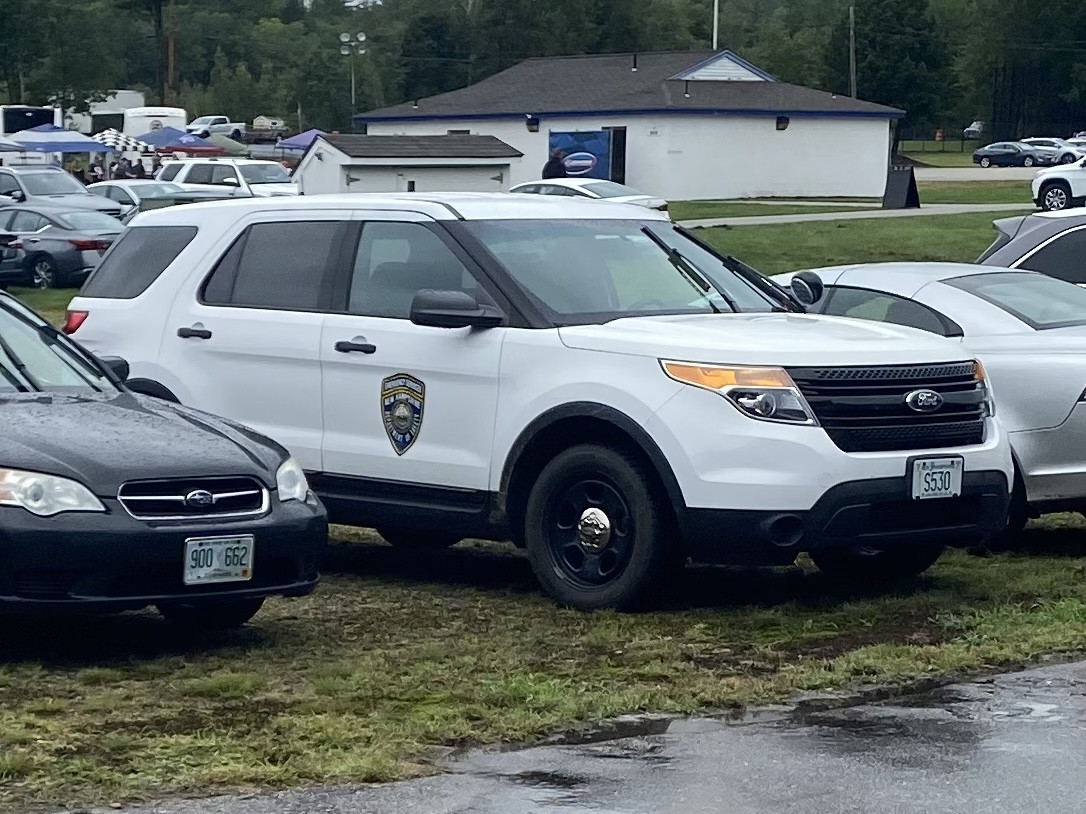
x=140, y=120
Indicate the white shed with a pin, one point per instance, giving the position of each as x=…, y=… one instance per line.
x=351, y=163
x=680, y=125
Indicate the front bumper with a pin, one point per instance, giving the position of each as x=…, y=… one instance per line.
x=858, y=514
x=113, y=562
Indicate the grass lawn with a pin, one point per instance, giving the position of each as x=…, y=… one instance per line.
x=694, y=210
x=975, y=192
x=943, y=159
x=50, y=303
x=786, y=247
x=398, y=654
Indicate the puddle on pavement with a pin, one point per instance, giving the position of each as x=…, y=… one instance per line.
x=548, y=780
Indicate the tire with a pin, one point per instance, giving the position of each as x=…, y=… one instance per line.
x=986, y=162
x=585, y=566
x=1017, y=517
x=236, y=135
x=43, y=272
x=420, y=539
x=866, y=566
x=1055, y=197
x=211, y=616
x=1067, y=158
x=1027, y=161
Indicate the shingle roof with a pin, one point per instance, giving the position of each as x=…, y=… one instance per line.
x=421, y=146
x=608, y=84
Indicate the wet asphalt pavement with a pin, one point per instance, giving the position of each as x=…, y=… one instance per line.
x=1014, y=743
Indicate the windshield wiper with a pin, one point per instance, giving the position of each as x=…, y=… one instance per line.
x=760, y=281
x=691, y=273
x=19, y=366
x=51, y=336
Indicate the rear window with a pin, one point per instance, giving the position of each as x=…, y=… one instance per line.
x=137, y=260
x=1039, y=301
x=91, y=221
x=169, y=172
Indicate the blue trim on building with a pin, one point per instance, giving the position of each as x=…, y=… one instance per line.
x=754, y=69
x=362, y=118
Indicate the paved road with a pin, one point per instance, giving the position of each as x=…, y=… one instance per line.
x=862, y=214
x=1015, y=744
x=975, y=173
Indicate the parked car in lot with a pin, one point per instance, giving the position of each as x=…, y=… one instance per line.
x=1029, y=331
x=129, y=192
x=204, y=126
x=973, y=131
x=1009, y=154
x=56, y=246
x=110, y=501
x=581, y=377
x=1062, y=187
x=245, y=177
x=49, y=186
x=591, y=188
x=1053, y=243
x=1057, y=150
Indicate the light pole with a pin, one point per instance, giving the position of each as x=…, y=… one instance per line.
x=350, y=46
x=716, y=23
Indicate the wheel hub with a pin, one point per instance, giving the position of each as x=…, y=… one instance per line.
x=594, y=529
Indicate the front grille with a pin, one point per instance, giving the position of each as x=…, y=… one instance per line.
x=863, y=409
x=181, y=499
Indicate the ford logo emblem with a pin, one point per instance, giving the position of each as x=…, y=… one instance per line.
x=580, y=163
x=924, y=401
x=199, y=499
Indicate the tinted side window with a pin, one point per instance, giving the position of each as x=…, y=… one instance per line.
x=199, y=174
x=221, y=173
x=275, y=265
x=137, y=260
x=397, y=260
x=1064, y=258
x=169, y=172
x=8, y=184
x=860, y=303
x=28, y=222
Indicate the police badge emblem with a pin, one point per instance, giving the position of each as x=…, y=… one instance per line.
x=402, y=400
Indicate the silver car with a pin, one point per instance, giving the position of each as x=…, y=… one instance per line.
x=1056, y=150
x=1053, y=243
x=1029, y=332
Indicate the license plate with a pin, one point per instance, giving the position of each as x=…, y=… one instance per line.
x=218, y=559
x=937, y=477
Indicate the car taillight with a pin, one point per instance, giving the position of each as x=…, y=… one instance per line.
x=72, y=321
x=90, y=245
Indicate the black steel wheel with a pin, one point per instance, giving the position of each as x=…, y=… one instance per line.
x=207, y=617
x=596, y=530
x=862, y=566
x=418, y=538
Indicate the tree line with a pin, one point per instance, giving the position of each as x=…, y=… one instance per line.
x=1019, y=65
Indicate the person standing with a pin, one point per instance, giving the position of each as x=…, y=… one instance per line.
x=555, y=166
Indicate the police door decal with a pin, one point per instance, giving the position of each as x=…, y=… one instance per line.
x=402, y=400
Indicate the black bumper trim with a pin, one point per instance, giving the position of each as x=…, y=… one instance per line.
x=877, y=513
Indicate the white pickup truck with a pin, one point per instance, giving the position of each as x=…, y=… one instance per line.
x=206, y=125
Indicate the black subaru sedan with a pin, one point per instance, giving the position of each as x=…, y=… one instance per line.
x=111, y=501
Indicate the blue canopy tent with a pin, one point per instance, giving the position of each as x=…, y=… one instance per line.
x=172, y=140
x=301, y=141
x=48, y=138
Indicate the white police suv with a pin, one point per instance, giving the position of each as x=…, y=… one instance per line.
x=584, y=378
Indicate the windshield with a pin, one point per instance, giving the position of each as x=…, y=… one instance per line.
x=202, y=120
x=265, y=173
x=155, y=190
x=586, y=271
x=1039, y=301
x=34, y=356
x=90, y=221
x=609, y=189
x=51, y=183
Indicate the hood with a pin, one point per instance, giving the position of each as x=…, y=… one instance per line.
x=765, y=339
x=1054, y=170
x=269, y=190
x=104, y=440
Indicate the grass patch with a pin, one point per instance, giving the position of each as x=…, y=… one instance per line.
x=943, y=159
x=927, y=147
x=51, y=303
x=785, y=247
x=975, y=192
x=695, y=210
x=397, y=654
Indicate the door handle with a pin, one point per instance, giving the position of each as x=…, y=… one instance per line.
x=194, y=333
x=355, y=347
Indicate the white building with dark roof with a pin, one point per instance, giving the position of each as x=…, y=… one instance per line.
x=680, y=125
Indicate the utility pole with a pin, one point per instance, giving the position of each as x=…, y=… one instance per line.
x=852, y=51
x=716, y=24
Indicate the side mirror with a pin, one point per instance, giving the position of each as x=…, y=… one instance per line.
x=230, y=182
x=17, y=195
x=452, y=309
x=807, y=287
x=117, y=366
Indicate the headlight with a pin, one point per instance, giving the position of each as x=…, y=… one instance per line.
x=981, y=375
x=45, y=495
x=765, y=393
x=290, y=481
